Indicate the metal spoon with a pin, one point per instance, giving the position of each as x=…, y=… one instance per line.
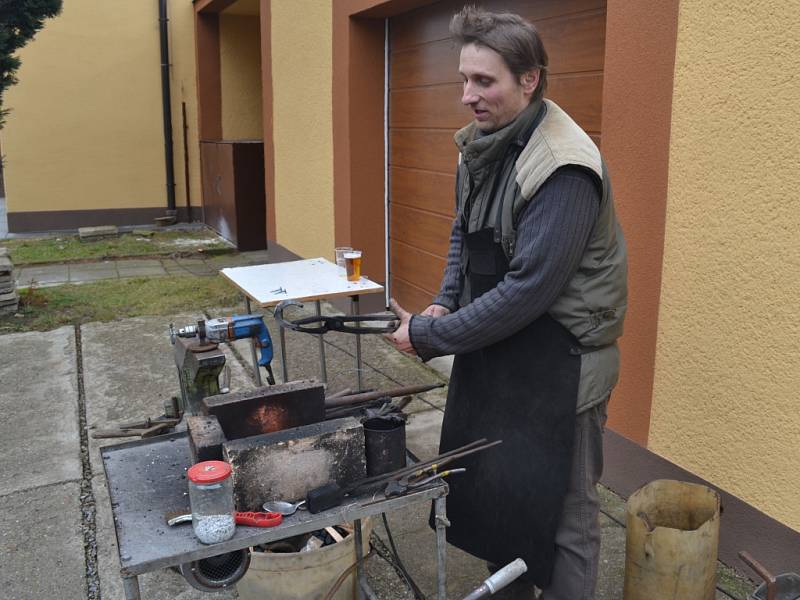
x=280, y=506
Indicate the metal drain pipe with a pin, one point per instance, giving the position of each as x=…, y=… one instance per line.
x=166, y=101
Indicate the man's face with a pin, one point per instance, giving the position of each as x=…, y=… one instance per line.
x=493, y=93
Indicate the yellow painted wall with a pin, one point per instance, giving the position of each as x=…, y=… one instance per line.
x=240, y=75
x=85, y=130
x=727, y=382
x=302, y=118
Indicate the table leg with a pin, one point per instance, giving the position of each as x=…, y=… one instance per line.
x=322, y=366
x=130, y=586
x=256, y=372
x=441, y=547
x=356, y=309
x=283, y=355
x=360, y=575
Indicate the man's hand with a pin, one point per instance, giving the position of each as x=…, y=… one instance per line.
x=400, y=338
x=435, y=311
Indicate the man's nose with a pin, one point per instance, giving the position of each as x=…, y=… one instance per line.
x=469, y=96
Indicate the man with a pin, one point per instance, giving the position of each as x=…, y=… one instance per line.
x=532, y=301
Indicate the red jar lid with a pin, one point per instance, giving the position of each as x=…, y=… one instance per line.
x=210, y=471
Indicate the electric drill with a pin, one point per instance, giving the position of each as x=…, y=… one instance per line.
x=237, y=327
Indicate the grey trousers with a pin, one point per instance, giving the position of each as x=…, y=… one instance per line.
x=578, y=534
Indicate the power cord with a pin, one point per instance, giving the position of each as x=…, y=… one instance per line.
x=393, y=559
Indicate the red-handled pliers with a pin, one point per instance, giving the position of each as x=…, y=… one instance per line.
x=258, y=519
x=249, y=519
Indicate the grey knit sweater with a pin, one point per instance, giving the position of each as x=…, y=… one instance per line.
x=552, y=232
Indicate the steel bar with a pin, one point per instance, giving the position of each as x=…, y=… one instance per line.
x=360, y=575
x=439, y=461
x=283, y=355
x=256, y=371
x=441, y=547
x=355, y=305
x=322, y=366
x=335, y=401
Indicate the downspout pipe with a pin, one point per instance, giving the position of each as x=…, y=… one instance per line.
x=166, y=104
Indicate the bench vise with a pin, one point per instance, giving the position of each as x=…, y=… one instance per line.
x=199, y=362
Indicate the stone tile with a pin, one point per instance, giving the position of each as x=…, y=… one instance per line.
x=48, y=274
x=41, y=543
x=39, y=404
x=151, y=268
x=194, y=266
x=85, y=272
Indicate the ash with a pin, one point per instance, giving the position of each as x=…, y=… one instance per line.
x=213, y=529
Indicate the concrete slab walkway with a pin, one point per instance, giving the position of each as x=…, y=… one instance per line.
x=83, y=272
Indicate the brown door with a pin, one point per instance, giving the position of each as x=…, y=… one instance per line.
x=425, y=111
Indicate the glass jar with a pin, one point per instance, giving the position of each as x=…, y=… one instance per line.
x=211, y=497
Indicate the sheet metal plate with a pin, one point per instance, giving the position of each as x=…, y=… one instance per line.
x=147, y=478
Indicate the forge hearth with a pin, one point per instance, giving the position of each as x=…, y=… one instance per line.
x=286, y=465
x=278, y=442
x=267, y=409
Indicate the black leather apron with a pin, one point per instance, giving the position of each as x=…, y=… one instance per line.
x=524, y=391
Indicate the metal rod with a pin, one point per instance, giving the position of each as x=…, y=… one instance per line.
x=256, y=372
x=166, y=103
x=335, y=400
x=283, y=355
x=322, y=367
x=130, y=586
x=359, y=553
x=356, y=309
x=441, y=547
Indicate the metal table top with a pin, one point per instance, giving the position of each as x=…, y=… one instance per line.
x=147, y=479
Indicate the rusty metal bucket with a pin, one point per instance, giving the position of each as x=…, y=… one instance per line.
x=780, y=587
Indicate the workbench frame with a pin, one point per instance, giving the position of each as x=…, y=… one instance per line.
x=147, y=478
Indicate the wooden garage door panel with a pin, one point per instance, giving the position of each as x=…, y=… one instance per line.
x=432, y=23
x=409, y=296
x=575, y=44
x=411, y=264
x=431, y=149
x=426, y=190
x=581, y=96
x=424, y=230
x=440, y=106
x=436, y=62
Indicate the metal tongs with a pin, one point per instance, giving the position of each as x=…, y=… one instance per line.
x=334, y=323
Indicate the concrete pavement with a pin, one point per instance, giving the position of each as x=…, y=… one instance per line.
x=83, y=272
x=56, y=530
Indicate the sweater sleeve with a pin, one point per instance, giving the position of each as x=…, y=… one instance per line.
x=452, y=282
x=552, y=233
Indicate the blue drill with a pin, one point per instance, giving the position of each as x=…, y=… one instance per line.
x=237, y=327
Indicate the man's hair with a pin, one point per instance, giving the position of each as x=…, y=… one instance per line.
x=512, y=37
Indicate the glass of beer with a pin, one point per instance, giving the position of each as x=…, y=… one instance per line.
x=352, y=264
x=340, y=258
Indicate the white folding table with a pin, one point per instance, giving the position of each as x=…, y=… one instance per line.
x=302, y=280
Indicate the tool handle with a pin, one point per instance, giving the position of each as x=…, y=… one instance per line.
x=506, y=575
x=258, y=519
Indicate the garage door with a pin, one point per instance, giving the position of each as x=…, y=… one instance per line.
x=425, y=111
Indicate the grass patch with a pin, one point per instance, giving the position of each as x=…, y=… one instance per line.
x=43, y=309
x=70, y=248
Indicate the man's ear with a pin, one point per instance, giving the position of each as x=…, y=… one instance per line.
x=529, y=81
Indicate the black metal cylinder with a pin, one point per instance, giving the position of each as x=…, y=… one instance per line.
x=385, y=442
